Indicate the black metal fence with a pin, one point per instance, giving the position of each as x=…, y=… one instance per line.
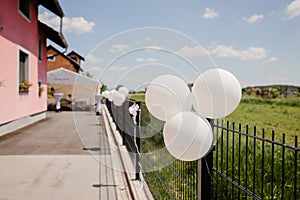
x=249, y=164
x=245, y=164
x=128, y=130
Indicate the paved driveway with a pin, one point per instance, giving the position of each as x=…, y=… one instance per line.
x=52, y=159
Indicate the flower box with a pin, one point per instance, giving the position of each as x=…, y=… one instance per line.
x=24, y=87
x=24, y=90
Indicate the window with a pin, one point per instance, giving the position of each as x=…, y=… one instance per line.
x=23, y=66
x=40, y=48
x=24, y=8
x=51, y=57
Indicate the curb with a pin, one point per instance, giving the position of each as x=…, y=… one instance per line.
x=137, y=189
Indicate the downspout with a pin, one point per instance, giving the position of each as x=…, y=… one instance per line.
x=61, y=21
x=66, y=49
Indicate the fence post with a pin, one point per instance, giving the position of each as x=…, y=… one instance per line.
x=205, y=165
x=124, y=110
x=117, y=117
x=138, y=145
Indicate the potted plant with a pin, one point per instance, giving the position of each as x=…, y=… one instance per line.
x=24, y=86
x=41, y=89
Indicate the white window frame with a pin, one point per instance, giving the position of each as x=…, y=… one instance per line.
x=27, y=69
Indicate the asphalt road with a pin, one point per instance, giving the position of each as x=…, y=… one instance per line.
x=55, y=135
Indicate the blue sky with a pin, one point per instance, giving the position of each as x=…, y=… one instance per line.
x=258, y=41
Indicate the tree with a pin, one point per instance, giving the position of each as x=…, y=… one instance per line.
x=118, y=86
x=103, y=87
x=88, y=74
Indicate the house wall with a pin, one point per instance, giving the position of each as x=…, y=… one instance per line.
x=18, y=33
x=17, y=28
x=42, y=65
x=60, y=62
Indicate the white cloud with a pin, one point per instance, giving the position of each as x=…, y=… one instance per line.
x=118, y=69
x=152, y=60
x=293, y=9
x=140, y=59
x=152, y=48
x=225, y=51
x=191, y=51
x=94, y=69
x=210, y=14
x=252, y=53
x=272, y=59
x=254, y=18
x=119, y=48
x=94, y=60
x=50, y=19
x=77, y=25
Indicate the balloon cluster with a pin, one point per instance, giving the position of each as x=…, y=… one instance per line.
x=116, y=96
x=187, y=133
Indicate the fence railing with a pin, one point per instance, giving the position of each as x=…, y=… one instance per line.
x=128, y=129
x=248, y=164
x=245, y=164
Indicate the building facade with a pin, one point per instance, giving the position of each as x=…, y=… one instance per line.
x=23, y=61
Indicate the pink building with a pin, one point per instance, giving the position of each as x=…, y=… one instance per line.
x=23, y=57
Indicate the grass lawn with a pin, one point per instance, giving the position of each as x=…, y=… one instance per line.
x=280, y=115
x=138, y=97
x=280, y=118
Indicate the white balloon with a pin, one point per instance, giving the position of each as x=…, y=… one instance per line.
x=188, y=136
x=124, y=91
x=188, y=105
x=114, y=93
x=118, y=98
x=217, y=93
x=166, y=96
x=111, y=95
x=105, y=94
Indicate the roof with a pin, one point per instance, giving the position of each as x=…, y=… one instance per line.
x=53, y=6
x=76, y=65
x=75, y=53
x=64, y=76
x=53, y=35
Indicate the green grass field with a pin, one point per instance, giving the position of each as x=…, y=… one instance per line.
x=138, y=97
x=280, y=115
